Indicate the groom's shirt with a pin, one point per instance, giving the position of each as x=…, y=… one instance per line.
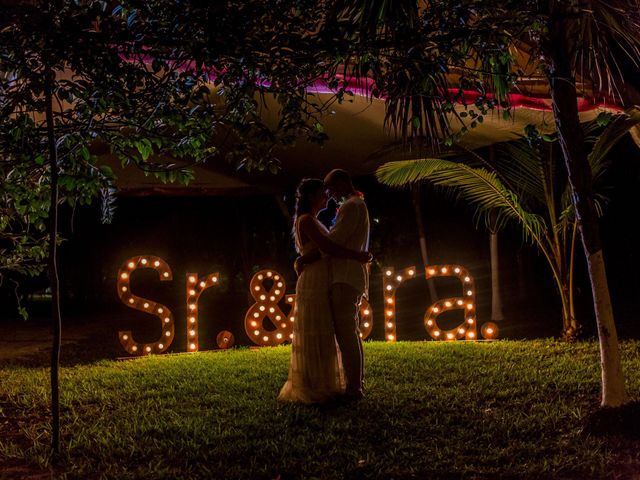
x=351, y=230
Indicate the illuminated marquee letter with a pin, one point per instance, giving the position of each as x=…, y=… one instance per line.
x=144, y=305
x=195, y=287
x=390, y=283
x=266, y=306
x=467, y=329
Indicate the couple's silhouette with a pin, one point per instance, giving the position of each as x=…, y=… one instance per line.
x=326, y=355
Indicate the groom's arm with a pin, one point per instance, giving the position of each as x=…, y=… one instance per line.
x=304, y=260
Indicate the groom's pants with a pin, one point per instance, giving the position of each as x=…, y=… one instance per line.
x=345, y=301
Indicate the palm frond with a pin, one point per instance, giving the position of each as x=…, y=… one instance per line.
x=607, y=39
x=567, y=215
x=477, y=186
x=521, y=164
x=611, y=135
x=405, y=172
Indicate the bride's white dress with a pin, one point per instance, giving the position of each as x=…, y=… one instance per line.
x=315, y=372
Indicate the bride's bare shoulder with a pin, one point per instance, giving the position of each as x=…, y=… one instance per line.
x=306, y=221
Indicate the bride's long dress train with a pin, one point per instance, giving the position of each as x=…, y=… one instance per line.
x=315, y=372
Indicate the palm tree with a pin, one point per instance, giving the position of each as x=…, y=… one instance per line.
x=525, y=182
x=497, y=314
x=417, y=207
x=410, y=48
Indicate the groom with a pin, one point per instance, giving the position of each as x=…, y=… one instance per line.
x=349, y=278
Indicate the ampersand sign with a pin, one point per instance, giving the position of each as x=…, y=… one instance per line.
x=267, y=306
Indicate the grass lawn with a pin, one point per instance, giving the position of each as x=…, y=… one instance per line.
x=510, y=409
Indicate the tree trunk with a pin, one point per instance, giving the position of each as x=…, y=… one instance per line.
x=496, y=295
x=283, y=209
x=565, y=110
x=415, y=195
x=569, y=322
x=571, y=325
x=53, y=267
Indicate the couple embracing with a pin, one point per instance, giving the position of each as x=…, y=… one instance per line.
x=326, y=354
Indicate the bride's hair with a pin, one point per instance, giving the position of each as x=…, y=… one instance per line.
x=307, y=188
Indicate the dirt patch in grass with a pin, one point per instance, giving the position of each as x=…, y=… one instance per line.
x=15, y=471
x=623, y=421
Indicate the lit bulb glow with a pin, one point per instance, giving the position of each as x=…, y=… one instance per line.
x=466, y=329
x=266, y=306
x=390, y=288
x=193, y=297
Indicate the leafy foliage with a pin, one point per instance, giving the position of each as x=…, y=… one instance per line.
x=525, y=182
x=159, y=85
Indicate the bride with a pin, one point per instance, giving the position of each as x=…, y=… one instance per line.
x=315, y=371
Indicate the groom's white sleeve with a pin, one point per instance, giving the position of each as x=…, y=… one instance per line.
x=345, y=223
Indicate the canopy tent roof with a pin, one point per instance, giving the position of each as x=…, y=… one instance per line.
x=357, y=142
